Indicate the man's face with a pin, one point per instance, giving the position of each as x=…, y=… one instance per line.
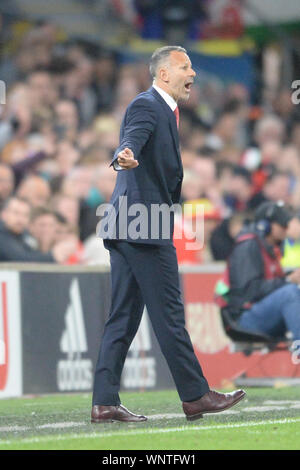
x=62, y=231
x=36, y=191
x=40, y=87
x=178, y=75
x=44, y=227
x=16, y=216
x=278, y=232
x=293, y=230
x=240, y=188
x=69, y=208
x=278, y=188
x=66, y=114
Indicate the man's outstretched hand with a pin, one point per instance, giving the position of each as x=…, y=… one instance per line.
x=126, y=159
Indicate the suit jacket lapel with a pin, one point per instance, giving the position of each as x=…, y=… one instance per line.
x=171, y=120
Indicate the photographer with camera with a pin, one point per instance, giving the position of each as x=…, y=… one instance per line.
x=256, y=293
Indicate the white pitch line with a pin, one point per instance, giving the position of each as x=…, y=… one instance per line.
x=45, y=403
x=149, y=431
x=281, y=402
x=182, y=415
x=13, y=428
x=166, y=416
x=262, y=409
x=69, y=424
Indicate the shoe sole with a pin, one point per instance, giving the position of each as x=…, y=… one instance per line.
x=95, y=421
x=199, y=415
x=194, y=417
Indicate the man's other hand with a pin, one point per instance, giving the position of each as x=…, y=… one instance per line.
x=126, y=159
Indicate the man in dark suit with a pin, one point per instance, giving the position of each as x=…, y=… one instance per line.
x=144, y=269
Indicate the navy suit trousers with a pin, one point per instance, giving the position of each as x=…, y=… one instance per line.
x=142, y=275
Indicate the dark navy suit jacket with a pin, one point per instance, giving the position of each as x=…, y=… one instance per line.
x=149, y=129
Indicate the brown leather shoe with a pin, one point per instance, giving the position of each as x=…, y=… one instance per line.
x=211, y=402
x=109, y=414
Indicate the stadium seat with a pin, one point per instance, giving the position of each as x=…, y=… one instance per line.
x=248, y=342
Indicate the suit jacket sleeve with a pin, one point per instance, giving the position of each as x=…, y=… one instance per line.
x=139, y=123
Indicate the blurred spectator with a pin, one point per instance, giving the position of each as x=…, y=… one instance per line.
x=49, y=228
x=64, y=232
x=295, y=134
x=205, y=168
x=78, y=181
x=223, y=236
x=106, y=130
x=78, y=88
x=238, y=196
x=283, y=104
x=104, y=181
x=289, y=160
x=68, y=207
x=66, y=157
x=224, y=174
x=43, y=228
x=278, y=187
x=201, y=218
x=103, y=185
x=126, y=90
x=105, y=80
x=66, y=120
x=35, y=190
x=261, y=162
x=269, y=128
x=196, y=139
x=188, y=157
x=43, y=95
x=41, y=90
x=6, y=182
x=79, y=184
x=28, y=164
x=15, y=240
x=224, y=132
x=291, y=250
x=191, y=186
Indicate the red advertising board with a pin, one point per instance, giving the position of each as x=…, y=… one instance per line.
x=10, y=335
x=214, y=349
x=3, y=336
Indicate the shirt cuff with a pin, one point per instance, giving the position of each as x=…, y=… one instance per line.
x=117, y=166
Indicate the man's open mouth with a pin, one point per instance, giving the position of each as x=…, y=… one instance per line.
x=188, y=86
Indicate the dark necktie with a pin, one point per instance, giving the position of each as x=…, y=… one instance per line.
x=176, y=112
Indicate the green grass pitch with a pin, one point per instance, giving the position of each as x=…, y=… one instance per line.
x=267, y=419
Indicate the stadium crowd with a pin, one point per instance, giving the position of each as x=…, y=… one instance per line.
x=59, y=129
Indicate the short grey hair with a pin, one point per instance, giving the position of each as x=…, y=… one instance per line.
x=160, y=55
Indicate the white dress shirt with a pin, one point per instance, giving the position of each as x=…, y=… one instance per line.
x=168, y=98
x=170, y=102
